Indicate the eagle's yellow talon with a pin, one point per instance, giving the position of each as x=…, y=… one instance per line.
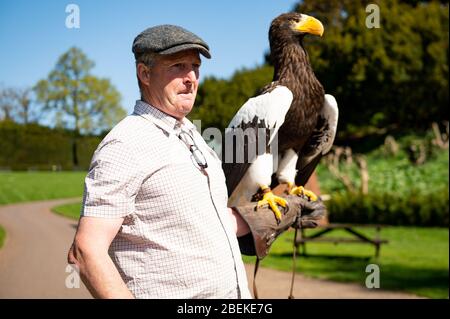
x=296, y=190
x=270, y=199
x=276, y=211
x=313, y=197
x=300, y=190
x=290, y=185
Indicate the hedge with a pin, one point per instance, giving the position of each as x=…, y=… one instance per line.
x=35, y=147
x=414, y=208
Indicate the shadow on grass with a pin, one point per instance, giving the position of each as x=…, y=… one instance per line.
x=426, y=281
x=418, y=280
x=325, y=256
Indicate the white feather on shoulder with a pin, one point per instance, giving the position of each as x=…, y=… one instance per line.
x=271, y=107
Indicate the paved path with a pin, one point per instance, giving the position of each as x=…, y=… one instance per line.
x=275, y=284
x=33, y=261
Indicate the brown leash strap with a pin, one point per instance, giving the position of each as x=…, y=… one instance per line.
x=255, y=292
x=294, y=257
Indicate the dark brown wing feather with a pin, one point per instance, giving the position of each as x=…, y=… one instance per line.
x=234, y=171
x=311, y=153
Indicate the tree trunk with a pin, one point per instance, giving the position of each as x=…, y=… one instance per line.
x=75, y=151
x=77, y=129
x=75, y=161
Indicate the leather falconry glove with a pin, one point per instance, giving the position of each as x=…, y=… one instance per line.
x=265, y=228
x=312, y=212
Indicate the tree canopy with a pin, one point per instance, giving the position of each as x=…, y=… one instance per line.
x=79, y=100
x=395, y=74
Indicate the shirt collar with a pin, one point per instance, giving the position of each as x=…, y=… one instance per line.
x=163, y=120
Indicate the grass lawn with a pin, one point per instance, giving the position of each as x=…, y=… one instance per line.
x=18, y=187
x=30, y=186
x=68, y=210
x=2, y=236
x=415, y=260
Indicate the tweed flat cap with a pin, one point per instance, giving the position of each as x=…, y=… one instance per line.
x=168, y=39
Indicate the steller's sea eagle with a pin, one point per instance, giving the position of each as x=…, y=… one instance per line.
x=293, y=110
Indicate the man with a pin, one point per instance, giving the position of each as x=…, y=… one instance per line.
x=155, y=221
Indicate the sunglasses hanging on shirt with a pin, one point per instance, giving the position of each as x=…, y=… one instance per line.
x=193, y=148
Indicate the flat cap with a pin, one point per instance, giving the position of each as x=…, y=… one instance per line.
x=168, y=39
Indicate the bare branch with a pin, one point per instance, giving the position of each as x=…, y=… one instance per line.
x=440, y=139
x=364, y=172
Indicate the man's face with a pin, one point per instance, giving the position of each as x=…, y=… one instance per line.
x=174, y=82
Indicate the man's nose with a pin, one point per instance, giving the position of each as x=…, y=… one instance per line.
x=191, y=76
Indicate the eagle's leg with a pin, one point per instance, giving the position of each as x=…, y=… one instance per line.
x=300, y=190
x=268, y=198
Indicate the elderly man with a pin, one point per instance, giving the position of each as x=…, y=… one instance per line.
x=155, y=221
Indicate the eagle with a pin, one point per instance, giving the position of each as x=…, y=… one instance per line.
x=280, y=135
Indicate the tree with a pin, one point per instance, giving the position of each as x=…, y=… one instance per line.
x=79, y=100
x=17, y=105
x=6, y=104
x=91, y=103
x=26, y=110
x=395, y=74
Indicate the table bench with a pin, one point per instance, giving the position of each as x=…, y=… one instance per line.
x=358, y=236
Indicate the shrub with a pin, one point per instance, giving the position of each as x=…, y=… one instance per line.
x=392, y=208
x=35, y=147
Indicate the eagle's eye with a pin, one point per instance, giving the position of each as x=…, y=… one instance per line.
x=294, y=21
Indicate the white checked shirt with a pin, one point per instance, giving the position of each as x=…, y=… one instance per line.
x=177, y=240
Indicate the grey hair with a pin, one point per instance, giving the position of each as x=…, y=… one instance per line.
x=149, y=60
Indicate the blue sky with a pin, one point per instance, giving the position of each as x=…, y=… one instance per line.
x=33, y=34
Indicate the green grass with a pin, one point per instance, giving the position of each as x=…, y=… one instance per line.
x=393, y=174
x=68, y=210
x=415, y=260
x=400, y=193
x=18, y=187
x=2, y=236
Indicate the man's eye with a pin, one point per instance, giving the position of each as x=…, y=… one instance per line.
x=178, y=66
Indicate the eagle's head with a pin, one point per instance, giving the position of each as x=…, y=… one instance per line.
x=293, y=27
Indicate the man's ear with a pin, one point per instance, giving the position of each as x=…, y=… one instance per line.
x=143, y=73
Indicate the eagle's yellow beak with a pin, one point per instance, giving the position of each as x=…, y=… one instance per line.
x=309, y=25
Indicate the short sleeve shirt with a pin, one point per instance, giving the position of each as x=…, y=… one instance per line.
x=177, y=240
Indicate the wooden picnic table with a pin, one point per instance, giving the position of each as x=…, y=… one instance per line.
x=358, y=236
